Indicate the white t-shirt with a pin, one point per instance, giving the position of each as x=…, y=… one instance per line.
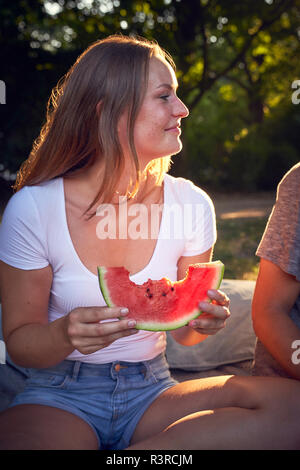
x=34, y=233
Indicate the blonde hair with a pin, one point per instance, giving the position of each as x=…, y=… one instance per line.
x=112, y=71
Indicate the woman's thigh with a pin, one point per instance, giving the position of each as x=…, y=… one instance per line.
x=40, y=427
x=277, y=395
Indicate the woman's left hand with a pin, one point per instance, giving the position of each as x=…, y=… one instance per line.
x=214, y=314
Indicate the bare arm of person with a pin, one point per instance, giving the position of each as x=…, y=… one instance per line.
x=214, y=314
x=31, y=340
x=274, y=296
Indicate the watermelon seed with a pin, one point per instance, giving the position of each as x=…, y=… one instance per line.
x=172, y=288
x=164, y=294
x=148, y=294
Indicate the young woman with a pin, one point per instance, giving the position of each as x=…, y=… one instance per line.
x=97, y=382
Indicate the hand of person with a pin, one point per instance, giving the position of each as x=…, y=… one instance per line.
x=88, y=335
x=214, y=314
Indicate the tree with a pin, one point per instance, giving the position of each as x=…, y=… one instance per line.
x=223, y=49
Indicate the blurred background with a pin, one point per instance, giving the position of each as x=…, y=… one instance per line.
x=238, y=67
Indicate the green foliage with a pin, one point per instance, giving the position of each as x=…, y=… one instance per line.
x=237, y=242
x=226, y=152
x=235, y=64
x=267, y=152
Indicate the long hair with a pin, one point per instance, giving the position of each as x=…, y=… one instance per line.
x=112, y=72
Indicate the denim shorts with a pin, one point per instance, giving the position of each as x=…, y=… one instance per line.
x=110, y=397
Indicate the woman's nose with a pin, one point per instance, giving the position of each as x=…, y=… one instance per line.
x=181, y=109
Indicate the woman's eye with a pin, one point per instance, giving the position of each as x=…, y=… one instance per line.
x=164, y=97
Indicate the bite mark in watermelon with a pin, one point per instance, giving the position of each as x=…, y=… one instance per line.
x=159, y=305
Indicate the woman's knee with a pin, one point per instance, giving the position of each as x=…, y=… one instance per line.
x=265, y=393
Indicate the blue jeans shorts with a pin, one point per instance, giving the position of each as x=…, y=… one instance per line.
x=111, y=397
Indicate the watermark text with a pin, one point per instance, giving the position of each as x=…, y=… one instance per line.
x=296, y=354
x=2, y=352
x=139, y=221
x=2, y=92
x=296, y=93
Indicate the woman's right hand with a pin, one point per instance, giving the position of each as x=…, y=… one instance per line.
x=85, y=332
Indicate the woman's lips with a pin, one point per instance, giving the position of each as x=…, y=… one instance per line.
x=175, y=129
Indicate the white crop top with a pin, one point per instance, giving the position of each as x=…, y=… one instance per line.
x=34, y=233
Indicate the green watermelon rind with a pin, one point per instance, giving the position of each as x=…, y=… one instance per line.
x=150, y=326
x=102, y=284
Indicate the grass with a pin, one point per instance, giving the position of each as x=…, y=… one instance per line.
x=237, y=242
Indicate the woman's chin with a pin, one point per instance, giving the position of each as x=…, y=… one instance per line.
x=177, y=148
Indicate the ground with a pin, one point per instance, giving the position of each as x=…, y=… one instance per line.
x=241, y=220
x=241, y=206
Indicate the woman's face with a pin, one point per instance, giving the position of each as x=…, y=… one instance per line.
x=157, y=127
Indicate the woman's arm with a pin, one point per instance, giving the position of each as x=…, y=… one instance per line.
x=204, y=325
x=31, y=340
x=274, y=296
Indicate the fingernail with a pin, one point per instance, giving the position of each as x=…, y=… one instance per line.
x=210, y=292
x=193, y=323
x=133, y=332
x=202, y=304
x=131, y=323
x=124, y=311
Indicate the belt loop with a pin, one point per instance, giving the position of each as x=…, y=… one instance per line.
x=147, y=370
x=112, y=370
x=76, y=369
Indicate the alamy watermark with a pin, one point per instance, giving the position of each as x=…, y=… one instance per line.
x=138, y=221
x=296, y=93
x=2, y=92
x=2, y=352
x=296, y=354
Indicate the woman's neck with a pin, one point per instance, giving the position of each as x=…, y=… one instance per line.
x=86, y=184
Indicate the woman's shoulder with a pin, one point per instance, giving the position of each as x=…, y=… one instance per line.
x=186, y=189
x=40, y=190
x=32, y=197
x=290, y=181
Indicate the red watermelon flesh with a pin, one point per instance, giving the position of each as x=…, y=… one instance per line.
x=159, y=305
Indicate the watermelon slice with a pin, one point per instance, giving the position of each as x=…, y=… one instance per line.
x=160, y=305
